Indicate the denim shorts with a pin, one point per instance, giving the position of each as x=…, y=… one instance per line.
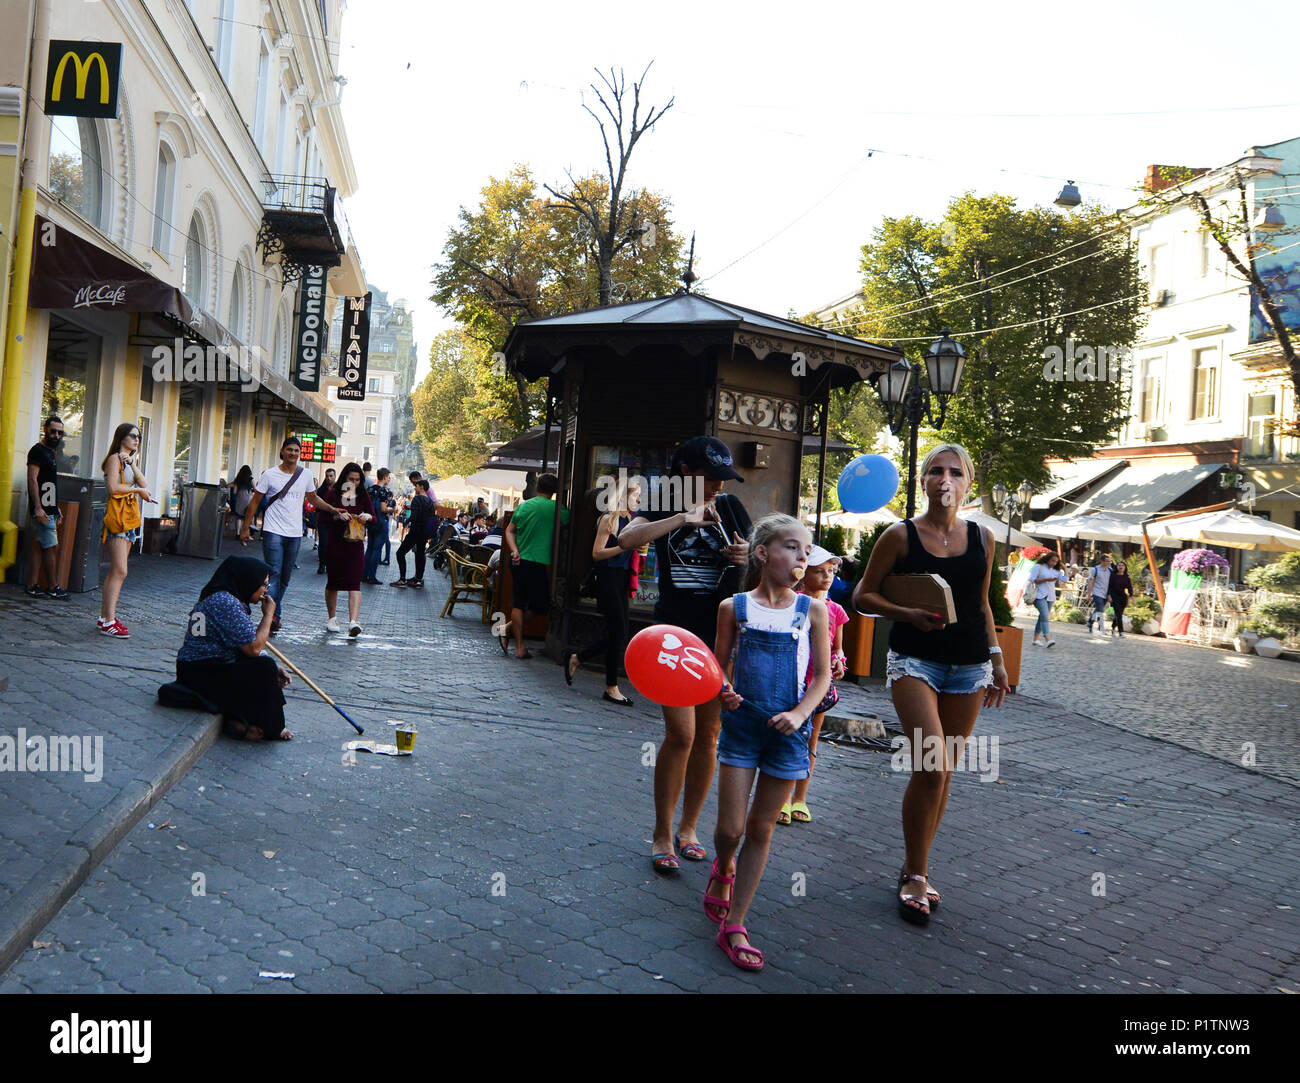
x=47, y=533
x=746, y=740
x=132, y=535
x=956, y=680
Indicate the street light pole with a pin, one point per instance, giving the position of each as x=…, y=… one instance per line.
x=907, y=401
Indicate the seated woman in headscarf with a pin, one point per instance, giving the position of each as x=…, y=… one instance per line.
x=221, y=658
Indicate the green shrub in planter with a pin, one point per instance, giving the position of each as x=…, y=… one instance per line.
x=1069, y=614
x=833, y=540
x=998, y=598
x=1143, y=609
x=1283, y=575
x=1283, y=613
x=1262, y=627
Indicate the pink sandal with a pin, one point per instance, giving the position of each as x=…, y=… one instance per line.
x=724, y=905
x=733, y=953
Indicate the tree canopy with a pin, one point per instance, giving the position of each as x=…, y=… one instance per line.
x=1033, y=295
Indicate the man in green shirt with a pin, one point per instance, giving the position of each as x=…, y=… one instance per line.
x=528, y=540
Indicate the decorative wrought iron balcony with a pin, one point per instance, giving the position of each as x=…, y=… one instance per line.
x=299, y=224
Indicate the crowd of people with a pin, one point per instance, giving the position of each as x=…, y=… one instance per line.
x=759, y=594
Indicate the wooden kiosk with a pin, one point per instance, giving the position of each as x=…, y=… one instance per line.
x=627, y=383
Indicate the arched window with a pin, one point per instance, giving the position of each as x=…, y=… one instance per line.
x=163, y=198
x=76, y=166
x=192, y=278
x=238, y=303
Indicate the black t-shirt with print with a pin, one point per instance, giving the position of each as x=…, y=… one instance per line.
x=47, y=480
x=692, y=559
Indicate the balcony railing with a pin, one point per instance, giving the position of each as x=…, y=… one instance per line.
x=300, y=223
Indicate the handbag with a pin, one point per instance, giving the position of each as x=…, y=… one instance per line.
x=123, y=511
x=354, y=530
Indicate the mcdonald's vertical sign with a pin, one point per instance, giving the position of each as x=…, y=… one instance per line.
x=81, y=78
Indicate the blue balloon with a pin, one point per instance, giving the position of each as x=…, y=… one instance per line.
x=868, y=483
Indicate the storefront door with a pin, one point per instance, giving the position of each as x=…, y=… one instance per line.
x=71, y=387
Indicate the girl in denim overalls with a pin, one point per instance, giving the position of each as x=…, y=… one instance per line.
x=765, y=726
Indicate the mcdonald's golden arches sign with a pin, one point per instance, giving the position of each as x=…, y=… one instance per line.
x=81, y=79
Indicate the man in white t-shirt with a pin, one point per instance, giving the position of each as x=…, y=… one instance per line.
x=279, y=492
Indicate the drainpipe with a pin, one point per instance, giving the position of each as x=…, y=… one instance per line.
x=13, y=372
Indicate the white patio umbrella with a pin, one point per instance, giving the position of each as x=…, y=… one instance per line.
x=1229, y=527
x=456, y=490
x=974, y=515
x=1096, y=526
x=859, y=520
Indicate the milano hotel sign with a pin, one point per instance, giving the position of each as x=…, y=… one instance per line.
x=356, y=344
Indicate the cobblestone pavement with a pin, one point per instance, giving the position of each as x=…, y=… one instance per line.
x=1212, y=700
x=510, y=853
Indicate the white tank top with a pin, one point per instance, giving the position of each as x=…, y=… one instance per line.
x=783, y=620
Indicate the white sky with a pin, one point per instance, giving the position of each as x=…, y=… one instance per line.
x=776, y=108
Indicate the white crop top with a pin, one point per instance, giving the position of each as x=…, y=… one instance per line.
x=783, y=620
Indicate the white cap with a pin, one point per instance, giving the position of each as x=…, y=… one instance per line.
x=820, y=556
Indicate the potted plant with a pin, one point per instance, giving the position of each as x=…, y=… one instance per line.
x=1010, y=638
x=1144, y=613
x=1245, y=639
x=860, y=638
x=1270, y=633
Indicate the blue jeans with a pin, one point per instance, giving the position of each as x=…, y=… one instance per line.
x=279, y=552
x=374, y=551
x=1044, y=607
x=1098, y=614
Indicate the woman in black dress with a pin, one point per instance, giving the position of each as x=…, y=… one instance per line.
x=345, y=559
x=1121, y=590
x=940, y=674
x=221, y=658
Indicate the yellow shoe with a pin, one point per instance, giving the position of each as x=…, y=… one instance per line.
x=783, y=817
x=799, y=812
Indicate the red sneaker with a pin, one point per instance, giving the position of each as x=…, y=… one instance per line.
x=117, y=630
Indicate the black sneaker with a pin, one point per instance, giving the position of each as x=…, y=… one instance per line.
x=59, y=593
x=36, y=592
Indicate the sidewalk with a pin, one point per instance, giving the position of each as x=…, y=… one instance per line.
x=511, y=851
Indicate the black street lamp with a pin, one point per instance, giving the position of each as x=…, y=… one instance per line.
x=907, y=400
x=1010, y=502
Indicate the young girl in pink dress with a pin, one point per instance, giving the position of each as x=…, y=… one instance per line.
x=822, y=566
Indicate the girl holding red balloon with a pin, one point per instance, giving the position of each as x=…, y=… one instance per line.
x=766, y=724
x=700, y=551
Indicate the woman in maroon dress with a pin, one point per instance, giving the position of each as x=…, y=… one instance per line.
x=345, y=556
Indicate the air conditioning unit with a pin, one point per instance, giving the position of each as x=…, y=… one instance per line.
x=1151, y=433
x=1163, y=298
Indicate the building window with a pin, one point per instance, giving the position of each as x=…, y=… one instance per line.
x=1158, y=270
x=372, y=426
x=1206, y=253
x=237, y=303
x=225, y=33
x=373, y=383
x=345, y=422
x=260, y=104
x=164, y=187
x=1148, y=392
x=75, y=170
x=192, y=278
x=1259, y=426
x=1205, y=368
x=368, y=453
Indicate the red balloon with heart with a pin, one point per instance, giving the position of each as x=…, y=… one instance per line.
x=672, y=666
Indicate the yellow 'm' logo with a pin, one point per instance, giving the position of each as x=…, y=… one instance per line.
x=83, y=75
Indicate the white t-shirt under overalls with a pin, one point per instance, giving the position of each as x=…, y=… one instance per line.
x=783, y=620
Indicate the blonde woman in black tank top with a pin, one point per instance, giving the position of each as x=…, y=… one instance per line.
x=940, y=676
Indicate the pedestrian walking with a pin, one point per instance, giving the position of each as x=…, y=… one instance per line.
x=938, y=674
x=241, y=492
x=417, y=537
x=43, y=510
x=279, y=494
x=768, y=702
x=528, y=540
x=1121, y=590
x=1099, y=585
x=817, y=581
x=700, y=547
x=610, y=576
x=1043, y=578
x=383, y=505
x=322, y=535
x=123, y=521
x=221, y=658
x=346, y=559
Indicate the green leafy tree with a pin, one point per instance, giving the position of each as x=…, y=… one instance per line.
x=1081, y=292
x=459, y=407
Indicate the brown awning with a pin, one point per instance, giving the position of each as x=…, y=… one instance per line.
x=69, y=272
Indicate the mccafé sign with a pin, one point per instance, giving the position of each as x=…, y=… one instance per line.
x=312, y=330
x=105, y=293
x=81, y=78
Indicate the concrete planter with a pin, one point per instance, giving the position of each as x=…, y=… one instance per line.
x=1244, y=641
x=1151, y=628
x=1268, y=647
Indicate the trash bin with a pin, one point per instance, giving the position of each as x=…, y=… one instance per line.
x=89, y=561
x=199, y=531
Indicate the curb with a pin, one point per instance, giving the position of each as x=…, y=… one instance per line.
x=36, y=903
